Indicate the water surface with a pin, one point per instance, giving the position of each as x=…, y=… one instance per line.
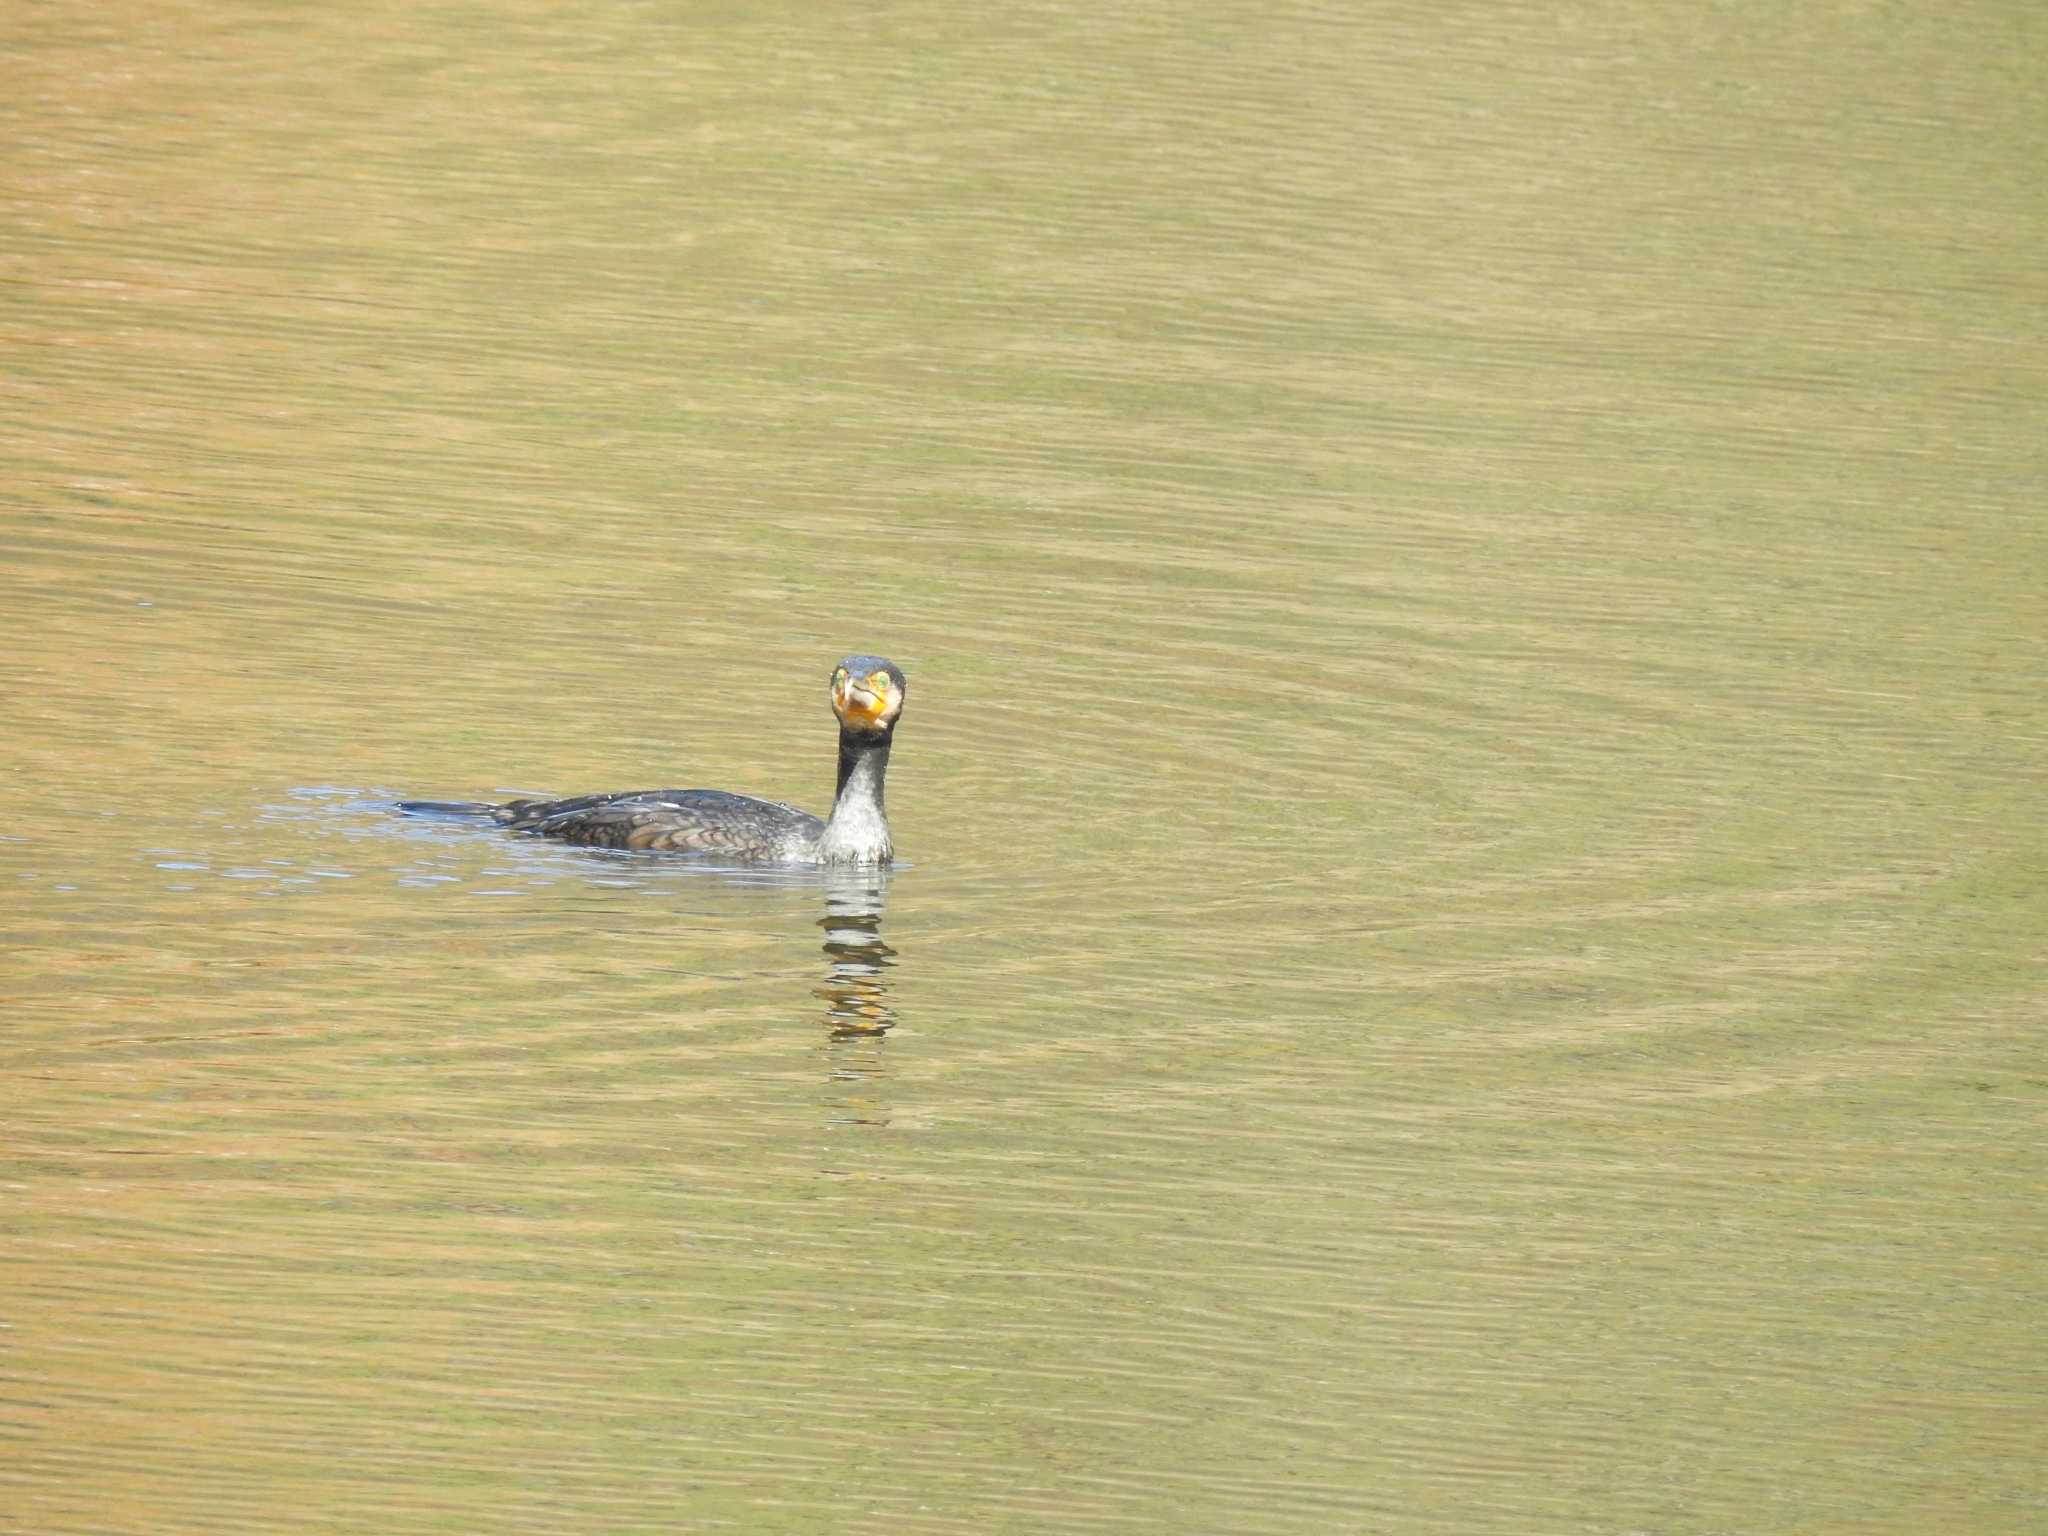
x=1471, y=950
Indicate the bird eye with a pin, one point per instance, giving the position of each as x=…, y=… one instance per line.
x=878, y=681
x=839, y=676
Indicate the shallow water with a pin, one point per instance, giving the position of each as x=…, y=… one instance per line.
x=1470, y=950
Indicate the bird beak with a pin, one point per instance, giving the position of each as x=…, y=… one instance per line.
x=856, y=704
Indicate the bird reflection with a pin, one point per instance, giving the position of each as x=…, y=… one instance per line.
x=856, y=986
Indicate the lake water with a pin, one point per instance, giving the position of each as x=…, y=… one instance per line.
x=1471, y=946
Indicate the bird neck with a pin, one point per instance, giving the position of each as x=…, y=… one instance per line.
x=863, y=759
x=858, y=830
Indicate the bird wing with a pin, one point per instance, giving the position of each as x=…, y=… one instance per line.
x=675, y=821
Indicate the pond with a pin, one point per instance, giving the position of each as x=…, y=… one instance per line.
x=1467, y=945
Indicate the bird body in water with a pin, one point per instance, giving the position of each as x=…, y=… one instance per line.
x=867, y=696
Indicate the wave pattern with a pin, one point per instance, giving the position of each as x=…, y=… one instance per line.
x=1469, y=953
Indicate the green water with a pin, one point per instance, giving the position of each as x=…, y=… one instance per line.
x=1471, y=954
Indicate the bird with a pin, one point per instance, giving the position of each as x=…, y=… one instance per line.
x=867, y=696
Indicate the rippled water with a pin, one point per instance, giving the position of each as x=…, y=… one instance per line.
x=1470, y=949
